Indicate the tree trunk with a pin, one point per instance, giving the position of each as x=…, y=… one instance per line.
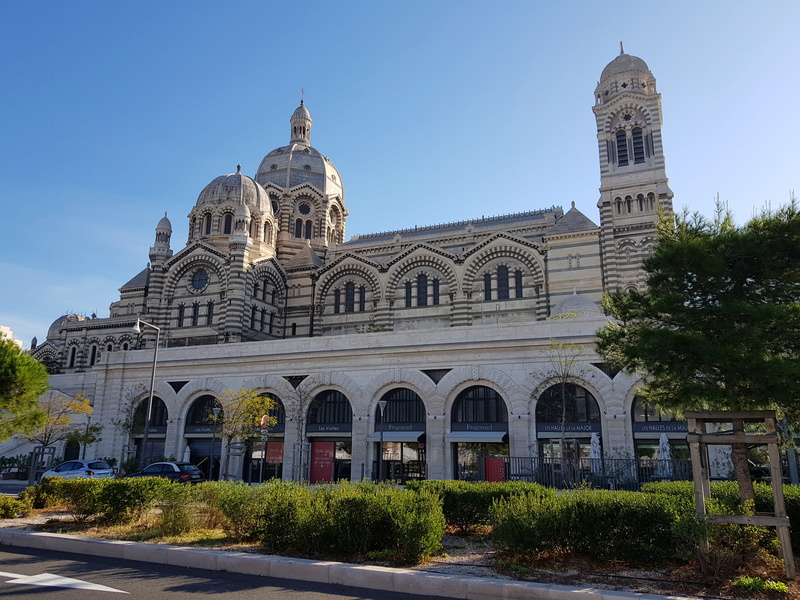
x=741, y=466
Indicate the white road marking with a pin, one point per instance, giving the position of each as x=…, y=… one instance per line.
x=50, y=580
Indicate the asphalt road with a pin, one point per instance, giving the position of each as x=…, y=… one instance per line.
x=151, y=581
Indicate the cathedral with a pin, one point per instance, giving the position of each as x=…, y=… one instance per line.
x=418, y=351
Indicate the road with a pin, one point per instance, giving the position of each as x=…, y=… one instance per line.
x=76, y=577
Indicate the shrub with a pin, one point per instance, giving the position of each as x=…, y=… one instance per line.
x=11, y=507
x=128, y=500
x=756, y=584
x=466, y=505
x=177, y=516
x=82, y=497
x=603, y=524
x=45, y=494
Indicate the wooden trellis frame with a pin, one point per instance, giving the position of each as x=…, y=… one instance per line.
x=699, y=440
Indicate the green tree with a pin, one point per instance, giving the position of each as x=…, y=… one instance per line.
x=59, y=410
x=241, y=415
x=718, y=327
x=22, y=380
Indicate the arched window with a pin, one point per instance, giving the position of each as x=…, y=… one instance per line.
x=181, y=315
x=362, y=298
x=201, y=412
x=436, y=292
x=271, y=322
x=308, y=229
x=479, y=404
x=158, y=415
x=349, y=296
x=330, y=407
x=337, y=301
x=208, y=224
x=570, y=403
x=298, y=228
x=294, y=328
x=640, y=202
x=638, y=145
x=93, y=356
x=125, y=345
x=278, y=412
x=518, y=284
x=422, y=290
x=263, y=319
x=409, y=292
x=228, y=223
x=403, y=406
x=255, y=290
x=195, y=314
x=619, y=205
x=253, y=311
x=210, y=313
x=109, y=347
x=628, y=203
x=73, y=353
x=622, y=148
x=502, y=283
x=487, y=286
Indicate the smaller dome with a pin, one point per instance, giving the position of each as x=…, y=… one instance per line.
x=242, y=212
x=301, y=112
x=576, y=306
x=165, y=224
x=623, y=64
x=55, y=329
x=235, y=189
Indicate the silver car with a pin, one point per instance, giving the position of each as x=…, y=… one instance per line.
x=72, y=469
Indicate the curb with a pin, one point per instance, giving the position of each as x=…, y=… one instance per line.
x=361, y=576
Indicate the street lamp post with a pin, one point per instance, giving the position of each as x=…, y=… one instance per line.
x=216, y=410
x=149, y=411
x=86, y=437
x=382, y=406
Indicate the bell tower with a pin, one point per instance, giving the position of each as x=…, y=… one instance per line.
x=634, y=188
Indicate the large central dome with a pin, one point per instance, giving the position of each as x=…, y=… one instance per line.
x=299, y=163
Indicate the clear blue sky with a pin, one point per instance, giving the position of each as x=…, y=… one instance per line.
x=116, y=112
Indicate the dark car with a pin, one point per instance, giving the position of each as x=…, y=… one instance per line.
x=182, y=472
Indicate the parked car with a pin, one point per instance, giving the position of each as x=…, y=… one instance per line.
x=72, y=469
x=182, y=472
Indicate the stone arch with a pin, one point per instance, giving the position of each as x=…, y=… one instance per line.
x=584, y=381
x=393, y=378
x=317, y=382
x=266, y=271
x=498, y=251
x=192, y=390
x=190, y=262
x=463, y=377
x=343, y=270
x=608, y=126
x=415, y=261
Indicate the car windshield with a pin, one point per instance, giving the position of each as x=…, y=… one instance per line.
x=189, y=469
x=99, y=464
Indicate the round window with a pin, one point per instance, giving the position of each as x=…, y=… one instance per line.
x=304, y=209
x=200, y=279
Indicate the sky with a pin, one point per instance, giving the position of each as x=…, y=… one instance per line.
x=114, y=113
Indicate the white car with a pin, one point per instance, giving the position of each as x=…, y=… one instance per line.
x=72, y=469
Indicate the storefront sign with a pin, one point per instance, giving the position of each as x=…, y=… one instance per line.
x=568, y=428
x=331, y=427
x=275, y=452
x=665, y=427
x=479, y=427
x=322, y=454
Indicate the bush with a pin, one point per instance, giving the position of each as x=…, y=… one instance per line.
x=10, y=507
x=82, y=497
x=466, y=505
x=177, y=516
x=602, y=524
x=726, y=494
x=45, y=494
x=128, y=500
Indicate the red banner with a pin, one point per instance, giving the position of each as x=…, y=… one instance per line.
x=495, y=469
x=322, y=462
x=274, y=452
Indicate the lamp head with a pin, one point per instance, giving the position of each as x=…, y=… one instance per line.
x=382, y=404
x=136, y=328
x=216, y=410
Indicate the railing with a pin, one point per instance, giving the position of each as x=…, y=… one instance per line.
x=604, y=473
